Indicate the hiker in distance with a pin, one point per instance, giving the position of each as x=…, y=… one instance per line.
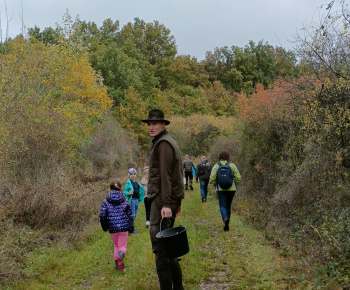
x=203, y=173
x=165, y=190
x=187, y=166
x=225, y=177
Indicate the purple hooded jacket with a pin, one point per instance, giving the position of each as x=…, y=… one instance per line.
x=115, y=213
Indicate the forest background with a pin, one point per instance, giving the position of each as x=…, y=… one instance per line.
x=72, y=98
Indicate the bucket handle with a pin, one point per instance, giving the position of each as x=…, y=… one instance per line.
x=160, y=224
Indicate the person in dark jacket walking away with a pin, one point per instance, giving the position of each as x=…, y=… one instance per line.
x=116, y=217
x=187, y=166
x=165, y=191
x=203, y=173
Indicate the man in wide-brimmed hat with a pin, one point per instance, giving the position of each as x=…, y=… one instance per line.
x=165, y=190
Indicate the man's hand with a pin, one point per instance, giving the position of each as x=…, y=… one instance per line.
x=131, y=192
x=166, y=212
x=179, y=211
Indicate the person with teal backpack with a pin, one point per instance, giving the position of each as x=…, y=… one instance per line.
x=225, y=177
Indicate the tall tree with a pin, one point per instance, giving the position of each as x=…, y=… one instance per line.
x=240, y=69
x=156, y=44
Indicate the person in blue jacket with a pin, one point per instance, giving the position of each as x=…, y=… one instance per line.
x=116, y=217
x=134, y=192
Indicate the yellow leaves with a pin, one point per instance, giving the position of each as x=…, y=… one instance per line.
x=220, y=100
x=195, y=132
x=60, y=85
x=194, y=124
x=131, y=114
x=319, y=108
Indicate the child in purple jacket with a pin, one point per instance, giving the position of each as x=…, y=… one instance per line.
x=116, y=217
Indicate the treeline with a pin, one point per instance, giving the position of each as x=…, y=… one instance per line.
x=61, y=83
x=141, y=69
x=72, y=97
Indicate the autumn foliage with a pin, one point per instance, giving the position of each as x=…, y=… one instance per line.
x=294, y=142
x=266, y=104
x=50, y=102
x=72, y=99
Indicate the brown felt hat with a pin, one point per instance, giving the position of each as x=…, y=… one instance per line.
x=156, y=115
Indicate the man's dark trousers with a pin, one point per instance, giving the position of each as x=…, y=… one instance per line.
x=168, y=269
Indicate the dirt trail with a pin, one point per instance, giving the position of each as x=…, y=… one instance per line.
x=240, y=258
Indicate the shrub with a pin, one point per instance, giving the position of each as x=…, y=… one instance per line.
x=51, y=99
x=110, y=150
x=196, y=133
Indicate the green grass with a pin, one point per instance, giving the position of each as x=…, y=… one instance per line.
x=238, y=259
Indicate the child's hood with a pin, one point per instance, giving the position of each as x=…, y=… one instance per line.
x=116, y=197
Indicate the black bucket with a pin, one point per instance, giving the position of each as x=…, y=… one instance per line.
x=174, y=241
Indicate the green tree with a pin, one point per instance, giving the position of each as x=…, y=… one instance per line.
x=48, y=35
x=240, y=69
x=155, y=43
x=119, y=71
x=185, y=70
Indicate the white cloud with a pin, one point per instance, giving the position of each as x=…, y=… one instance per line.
x=198, y=25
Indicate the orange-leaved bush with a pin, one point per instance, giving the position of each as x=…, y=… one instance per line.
x=265, y=104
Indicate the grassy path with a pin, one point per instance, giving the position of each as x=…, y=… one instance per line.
x=238, y=259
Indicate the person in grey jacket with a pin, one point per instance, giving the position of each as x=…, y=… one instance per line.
x=188, y=167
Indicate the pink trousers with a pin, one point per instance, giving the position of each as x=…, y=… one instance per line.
x=120, y=241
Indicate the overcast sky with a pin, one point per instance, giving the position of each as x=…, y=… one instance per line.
x=197, y=25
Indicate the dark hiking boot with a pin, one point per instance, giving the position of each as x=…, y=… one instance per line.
x=204, y=200
x=191, y=187
x=226, y=224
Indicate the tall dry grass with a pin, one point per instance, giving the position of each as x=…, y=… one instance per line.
x=54, y=201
